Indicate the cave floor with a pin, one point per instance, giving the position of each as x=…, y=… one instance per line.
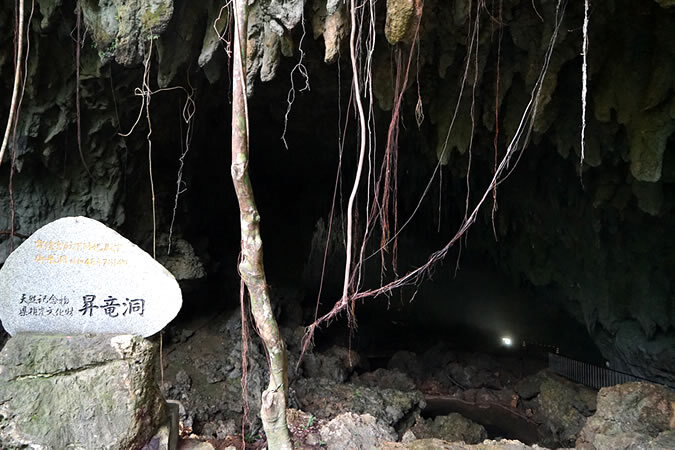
x=202, y=369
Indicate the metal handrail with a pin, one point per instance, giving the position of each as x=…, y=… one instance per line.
x=588, y=374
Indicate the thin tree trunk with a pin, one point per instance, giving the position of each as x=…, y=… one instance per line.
x=273, y=410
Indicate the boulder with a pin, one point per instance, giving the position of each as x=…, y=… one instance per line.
x=631, y=415
x=79, y=392
x=560, y=406
x=439, y=444
x=180, y=259
x=75, y=276
x=326, y=399
x=453, y=427
x=529, y=387
x=385, y=378
x=335, y=364
x=406, y=362
x=351, y=430
x=565, y=407
x=470, y=377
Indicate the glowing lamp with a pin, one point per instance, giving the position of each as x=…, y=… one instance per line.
x=507, y=341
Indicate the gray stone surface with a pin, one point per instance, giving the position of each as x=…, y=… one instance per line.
x=327, y=398
x=121, y=28
x=195, y=444
x=76, y=276
x=336, y=364
x=562, y=409
x=438, y=444
x=631, y=415
x=93, y=392
x=453, y=427
x=356, y=431
x=180, y=259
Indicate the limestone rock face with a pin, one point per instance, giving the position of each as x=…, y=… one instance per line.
x=564, y=406
x=399, y=19
x=439, y=444
x=78, y=392
x=351, y=430
x=269, y=26
x=631, y=415
x=182, y=261
x=393, y=379
x=336, y=364
x=326, y=398
x=331, y=22
x=453, y=427
x=123, y=29
x=560, y=406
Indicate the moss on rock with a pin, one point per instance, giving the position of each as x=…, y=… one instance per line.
x=121, y=29
x=78, y=392
x=399, y=20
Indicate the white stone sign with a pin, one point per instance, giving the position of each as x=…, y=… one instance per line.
x=75, y=276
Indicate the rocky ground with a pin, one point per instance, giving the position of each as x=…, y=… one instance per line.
x=426, y=400
x=436, y=399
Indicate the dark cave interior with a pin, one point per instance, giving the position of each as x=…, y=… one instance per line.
x=470, y=301
x=573, y=258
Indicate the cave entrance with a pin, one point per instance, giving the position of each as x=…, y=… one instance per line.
x=472, y=300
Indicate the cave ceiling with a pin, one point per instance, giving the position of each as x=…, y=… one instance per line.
x=598, y=232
